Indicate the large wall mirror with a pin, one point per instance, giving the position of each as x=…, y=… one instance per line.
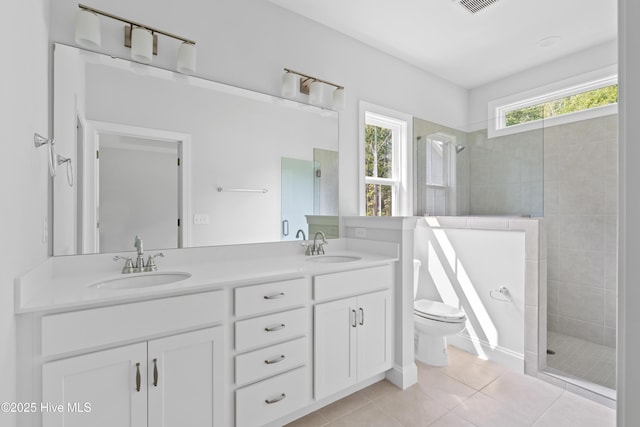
x=183, y=161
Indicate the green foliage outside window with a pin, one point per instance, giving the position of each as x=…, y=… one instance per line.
x=570, y=104
x=378, y=164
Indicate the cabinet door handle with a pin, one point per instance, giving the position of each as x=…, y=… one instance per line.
x=353, y=323
x=276, y=400
x=361, y=316
x=155, y=372
x=274, y=296
x=138, y=377
x=275, y=360
x=275, y=328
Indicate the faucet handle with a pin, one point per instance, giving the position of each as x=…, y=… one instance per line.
x=151, y=263
x=138, y=245
x=128, y=264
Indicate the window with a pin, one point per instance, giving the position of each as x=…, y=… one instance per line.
x=437, y=173
x=384, y=164
x=580, y=98
x=564, y=105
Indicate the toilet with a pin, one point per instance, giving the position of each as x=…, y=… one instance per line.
x=433, y=322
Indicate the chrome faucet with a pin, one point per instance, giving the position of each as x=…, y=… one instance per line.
x=304, y=237
x=140, y=259
x=317, y=248
x=140, y=265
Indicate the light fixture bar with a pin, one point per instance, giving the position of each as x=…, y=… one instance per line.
x=313, y=78
x=137, y=24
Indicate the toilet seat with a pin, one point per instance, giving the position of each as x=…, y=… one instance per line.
x=438, y=311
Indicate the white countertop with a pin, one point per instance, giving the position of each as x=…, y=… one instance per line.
x=66, y=283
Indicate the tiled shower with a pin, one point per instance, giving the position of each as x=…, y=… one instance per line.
x=567, y=174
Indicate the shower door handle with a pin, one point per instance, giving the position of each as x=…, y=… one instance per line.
x=285, y=227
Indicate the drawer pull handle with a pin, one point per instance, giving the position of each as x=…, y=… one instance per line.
x=354, y=324
x=155, y=372
x=361, y=317
x=274, y=296
x=138, y=377
x=276, y=400
x=275, y=328
x=275, y=360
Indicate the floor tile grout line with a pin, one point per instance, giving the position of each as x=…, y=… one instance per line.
x=555, y=402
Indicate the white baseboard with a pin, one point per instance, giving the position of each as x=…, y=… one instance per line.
x=403, y=377
x=500, y=355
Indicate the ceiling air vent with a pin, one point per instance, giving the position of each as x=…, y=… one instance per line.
x=475, y=6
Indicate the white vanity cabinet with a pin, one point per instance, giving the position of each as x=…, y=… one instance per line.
x=352, y=336
x=165, y=382
x=272, y=351
x=176, y=379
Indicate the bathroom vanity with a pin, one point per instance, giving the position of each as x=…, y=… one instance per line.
x=245, y=340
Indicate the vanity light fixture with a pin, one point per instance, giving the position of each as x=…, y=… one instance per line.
x=312, y=86
x=142, y=39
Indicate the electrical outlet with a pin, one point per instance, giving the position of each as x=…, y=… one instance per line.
x=361, y=232
x=201, y=219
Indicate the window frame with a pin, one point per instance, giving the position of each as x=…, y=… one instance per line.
x=496, y=120
x=402, y=127
x=448, y=166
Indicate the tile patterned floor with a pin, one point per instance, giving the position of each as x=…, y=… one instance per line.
x=470, y=392
x=582, y=359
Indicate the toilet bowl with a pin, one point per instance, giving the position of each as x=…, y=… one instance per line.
x=433, y=322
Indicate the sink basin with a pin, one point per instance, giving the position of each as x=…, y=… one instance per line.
x=141, y=280
x=334, y=258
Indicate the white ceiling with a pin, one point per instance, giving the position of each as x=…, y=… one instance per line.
x=470, y=50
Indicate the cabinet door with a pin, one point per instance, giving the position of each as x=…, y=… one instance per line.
x=334, y=339
x=105, y=380
x=374, y=333
x=185, y=379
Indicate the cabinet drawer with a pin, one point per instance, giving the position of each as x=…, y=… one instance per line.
x=348, y=283
x=84, y=329
x=266, y=330
x=271, y=361
x=268, y=400
x=257, y=299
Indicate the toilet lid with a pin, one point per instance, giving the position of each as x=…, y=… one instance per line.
x=438, y=311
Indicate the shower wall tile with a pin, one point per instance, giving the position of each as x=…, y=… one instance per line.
x=551, y=222
x=579, y=132
x=581, y=161
x=551, y=204
x=581, y=267
x=532, y=229
x=581, y=303
x=530, y=329
x=553, y=322
x=611, y=253
x=610, y=337
x=580, y=200
x=552, y=264
x=531, y=283
x=550, y=167
x=553, y=289
x=581, y=196
x=611, y=127
x=610, y=309
x=581, y=232
x=579, y=329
